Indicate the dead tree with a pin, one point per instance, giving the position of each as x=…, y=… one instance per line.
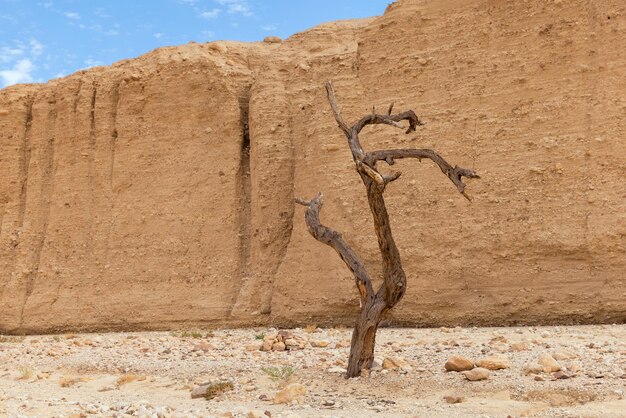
x=374, y=304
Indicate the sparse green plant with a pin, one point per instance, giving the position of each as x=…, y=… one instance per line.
x=56, y=338
x=217, y=389
x=195, y=334
x=279, y=374
x=259, y=336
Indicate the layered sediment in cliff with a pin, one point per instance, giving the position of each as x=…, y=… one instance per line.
x=159, y=191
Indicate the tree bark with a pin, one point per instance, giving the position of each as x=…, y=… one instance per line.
x=374, y=305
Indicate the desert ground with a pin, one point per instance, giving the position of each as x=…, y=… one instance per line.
x=554, y=371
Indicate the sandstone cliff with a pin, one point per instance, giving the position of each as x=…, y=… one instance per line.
x=159, y=191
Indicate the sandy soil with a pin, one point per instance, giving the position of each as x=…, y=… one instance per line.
x=153, y=374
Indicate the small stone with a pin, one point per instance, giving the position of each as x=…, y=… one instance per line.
x=253, y=347
x=336, y=369
x=454, y=399
x=477, y=373
x=564, y=355
x=329, y=402
x=199, y=391
x=548, y=363
x=459, y=364
x=494, y=363
x=561, y=375
x=520, y=346
x=342, y=344
x=272, y=40
x=392, y=363
x=255, y=413
x=320, y=344
x=291, y=392
x=278, y=346
x=267, y=345
x=203, y=346
x=533, y=368
x=539, y=378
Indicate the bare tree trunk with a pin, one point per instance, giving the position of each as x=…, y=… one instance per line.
x=363, y=341
x=374, y=305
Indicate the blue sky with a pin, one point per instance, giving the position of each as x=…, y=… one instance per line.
x=44, y=39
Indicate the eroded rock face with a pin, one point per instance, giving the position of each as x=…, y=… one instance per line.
x=159, y=190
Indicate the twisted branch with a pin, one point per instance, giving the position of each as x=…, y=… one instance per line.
x=334, y=239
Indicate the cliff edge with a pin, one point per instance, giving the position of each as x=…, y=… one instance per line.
x=158, y=192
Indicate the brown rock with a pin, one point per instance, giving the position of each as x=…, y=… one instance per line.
x=291, y=392
x=278, y=346
x=458, y=364
x=199, y=391
x=319, y=344
x=494, y=363
x=520, y=346
x=564, y=355
x=548, y=363
x=533, y=368
x=454, y=399
x=477, y=373
x=391, y=363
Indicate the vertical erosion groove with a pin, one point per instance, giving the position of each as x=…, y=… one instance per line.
x=112, y=145
x=244, y=186
x=25, y=162
x=47, y=190
x=90, y=168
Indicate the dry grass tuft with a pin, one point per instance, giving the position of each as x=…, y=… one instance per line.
x=217, y=389
x=69, y=381
x=310, y=328
x=127, y=378
x=11, y=338
x=25, y=373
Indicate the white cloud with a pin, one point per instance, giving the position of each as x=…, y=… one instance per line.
x=269, y=28
x=20, y=73
x=8, y=54
x=36, y=47
x=72, y=15
x=211, y=14
x=158, y=35
x=236, y=7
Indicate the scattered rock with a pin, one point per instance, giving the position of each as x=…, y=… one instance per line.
x=564, y=355
x=336, y=369
x=548, y=363
x=454, y=399
x=199, y=391
x=520, y=346
x=478, y=373
x=279, y=346
x=561, y=375
x=291, y=392
x=459, y=364
x=533, y=368
x=496, y=362
x=319, y=344
x=392, y=363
